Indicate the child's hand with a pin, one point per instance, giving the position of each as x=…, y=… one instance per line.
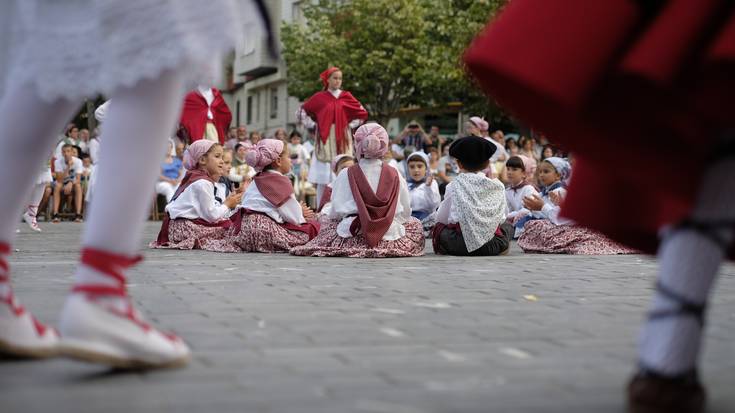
x=233, y=200
x=556, y=197
x=429, y=179
x=308, y=212
x=533, y=202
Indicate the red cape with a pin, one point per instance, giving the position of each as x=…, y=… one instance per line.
x=640, y=97
x=326, y=110
x=375, y=210
x=194, y=115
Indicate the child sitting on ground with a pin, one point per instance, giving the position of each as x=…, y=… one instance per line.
x=519, y=169
x=546, y=231
x=339, y=163
x=198, y=215
x=370, y=214
x=272, y=219
x=424, y=190
x=471, y=219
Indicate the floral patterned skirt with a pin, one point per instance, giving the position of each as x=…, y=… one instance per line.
x=544, y=237
x=259, y=233
x=329, y=244
x=184, y=234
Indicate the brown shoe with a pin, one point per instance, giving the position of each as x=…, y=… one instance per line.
x=649, y=392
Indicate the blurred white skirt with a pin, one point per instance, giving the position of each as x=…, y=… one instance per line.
x=76, y=48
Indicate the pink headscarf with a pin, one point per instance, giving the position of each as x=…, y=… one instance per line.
x=529, y=165
x=371, y=141
x=480, y=123
x=195, y=151
x=264, y=153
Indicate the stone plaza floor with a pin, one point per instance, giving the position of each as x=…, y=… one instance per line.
x=276, y=333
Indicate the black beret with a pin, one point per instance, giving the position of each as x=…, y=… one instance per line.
x=472, y=151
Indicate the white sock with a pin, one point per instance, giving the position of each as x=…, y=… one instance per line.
x=689, y=261
x=26, y=148
x=35, y=199
x=136, y=130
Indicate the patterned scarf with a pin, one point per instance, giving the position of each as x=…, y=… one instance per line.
x=481, y=205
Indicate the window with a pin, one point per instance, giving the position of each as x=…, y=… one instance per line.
x=274, y=103
x=257, y=107
x=237, y=113
x=249, y=111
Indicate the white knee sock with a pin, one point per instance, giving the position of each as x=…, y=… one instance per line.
x=689, y=261
x=25, y=148
x=136, y=130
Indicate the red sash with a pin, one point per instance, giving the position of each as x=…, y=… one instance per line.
x=375, y=211
x=275, y=187
x=328, y=110
x=326, y=197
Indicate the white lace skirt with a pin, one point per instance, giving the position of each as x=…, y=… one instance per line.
x=76, y=48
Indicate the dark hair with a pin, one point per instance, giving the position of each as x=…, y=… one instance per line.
x=294, y=133
x=238, y=146
x=548, y=146
x=416, y=158
x=84, y=156
x=515, y=162
x=67, y=145
x=343, y=160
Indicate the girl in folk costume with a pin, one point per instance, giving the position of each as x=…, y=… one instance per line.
x=371, y=208
x=338, y=164
x=336, y=112
x=205, y=115
x=198, y=215
x=145, y=55
x=520, y=170
x=471, y=219
x=545, y=231
x=272, y=219
x=39, y=190
x=424, y=190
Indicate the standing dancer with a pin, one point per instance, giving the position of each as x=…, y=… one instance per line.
x=143, y=54
x=645, y=75
x=336, y=112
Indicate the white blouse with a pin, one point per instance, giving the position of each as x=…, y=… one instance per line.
x=343, y=202
x=515, y=200
x=198, y=201
x=551, y=211
x=290, y=211
x=425, y=198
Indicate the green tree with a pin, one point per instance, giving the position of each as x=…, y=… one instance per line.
x=393, y=53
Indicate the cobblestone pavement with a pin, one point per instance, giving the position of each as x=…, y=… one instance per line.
x=275, y=333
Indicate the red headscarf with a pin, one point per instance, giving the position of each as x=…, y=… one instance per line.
x=324, y=76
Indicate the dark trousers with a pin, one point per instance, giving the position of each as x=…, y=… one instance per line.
x=449, y=241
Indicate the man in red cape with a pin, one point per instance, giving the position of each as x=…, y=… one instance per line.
x=650, y=83
x=336, y=112
x=205, y=115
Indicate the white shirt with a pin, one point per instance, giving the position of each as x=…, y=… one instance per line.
x=425, y=198
x=208, y=95
x=77, y=167
x=551, y=211
x=343, y=202
x=290, y=211
x=94, y=150
x=514, y=200
x=198, y=201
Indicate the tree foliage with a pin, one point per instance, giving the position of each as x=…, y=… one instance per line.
x=393, y=53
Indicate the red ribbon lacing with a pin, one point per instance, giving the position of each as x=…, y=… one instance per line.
x=113, y=265
x=17, y=308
